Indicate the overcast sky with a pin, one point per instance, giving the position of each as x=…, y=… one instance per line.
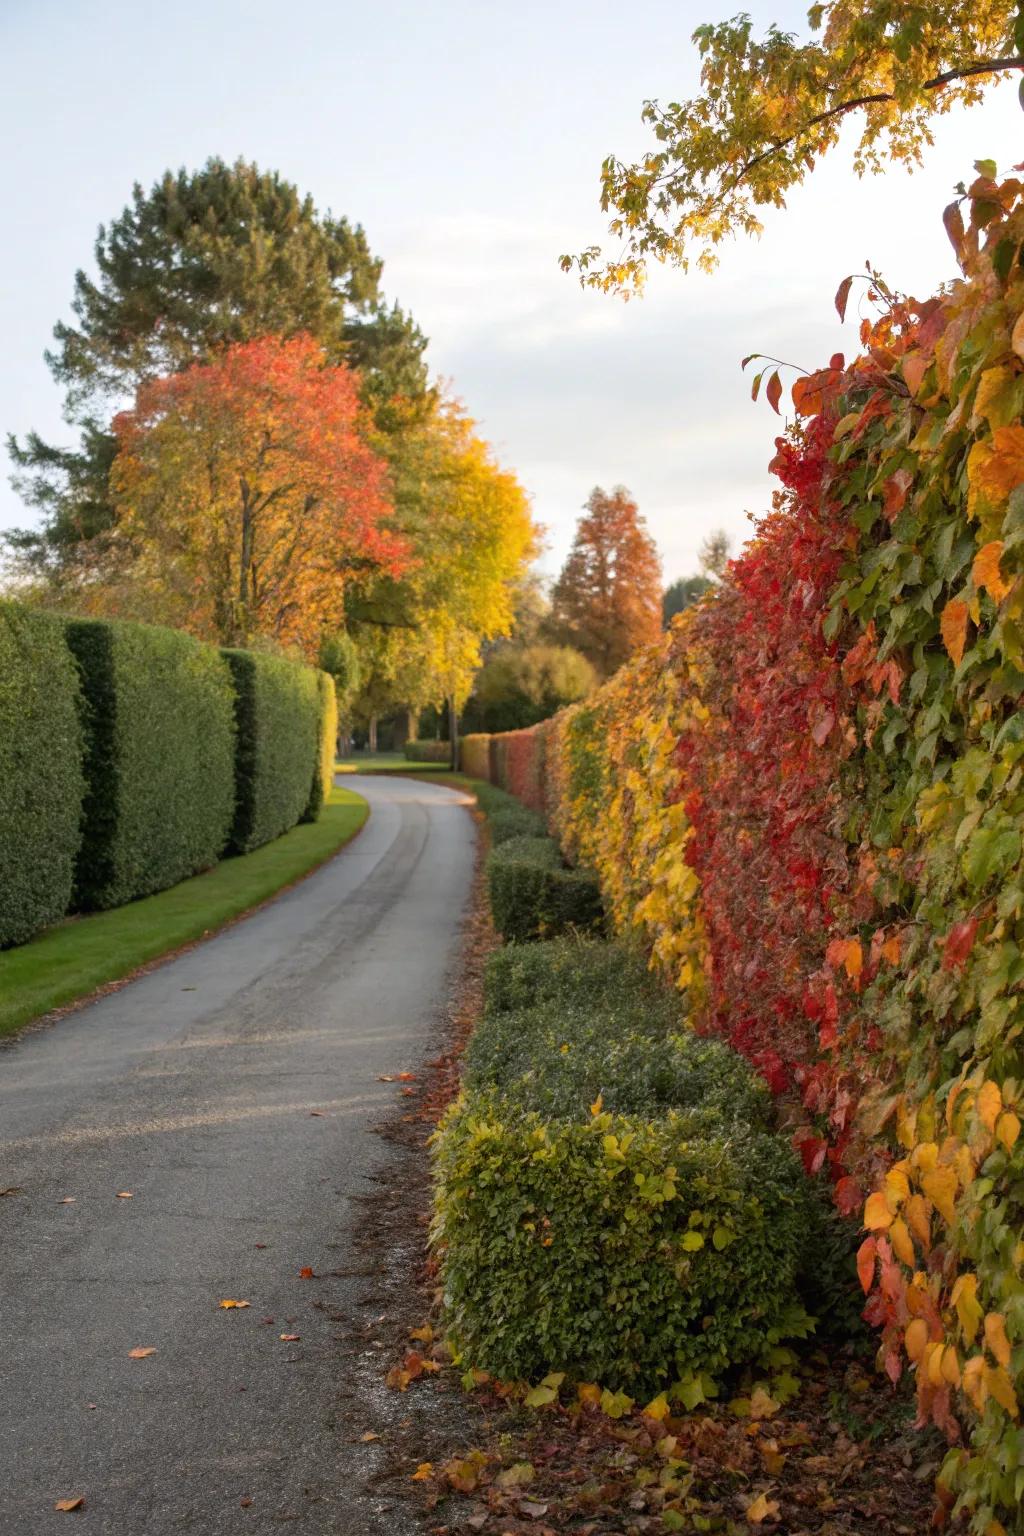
x=466, y=136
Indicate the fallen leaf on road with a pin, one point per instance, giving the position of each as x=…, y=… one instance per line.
x=67, y=1200
x=477, y=1522
x=290, y=1338
x=67, y=1505
x=12, y=1189
x=407, y=1077
x=305, y=1273
x=125, y=1194
x=762, y=1508
x=259, y=1245
x=245, y=1503
x=384, y=1077
x=90, y=1405
x=316, y=1114
x=397, y=1379
x=229, y=1303
x=424, y=1334
x=423, y=1472
x=368, y=1437
x=266, y=1319
x=535, y=1511
x=140, y=1354
x=409, y=1093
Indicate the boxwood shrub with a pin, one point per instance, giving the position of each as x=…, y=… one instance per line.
x=427, y=751
x=277, y=713
x=41, y=784
x=159, y=759
x=533, y=895
x=558, y=1058
x=577, y=969
x=516, y=821
x=629, y=1252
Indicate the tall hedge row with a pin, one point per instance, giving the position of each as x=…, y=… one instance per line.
x=277, y=715
x=133, y=756
x=159, y=759
x=41, y=784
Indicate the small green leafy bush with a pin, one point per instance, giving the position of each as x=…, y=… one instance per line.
x=278, y=715
x=533, y=895
x=41, y=784
x=428, y=751
x=627, y=1252
x=159, y=759
x=327, y=743
x=517, y=821
x=578, y=969
x=556, y=1058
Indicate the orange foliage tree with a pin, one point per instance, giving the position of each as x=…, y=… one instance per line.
x=248, y=499
x=607, y=600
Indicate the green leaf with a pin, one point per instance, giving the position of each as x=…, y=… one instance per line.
x=539, y=1397
x=692, y=1241
x=991, y=851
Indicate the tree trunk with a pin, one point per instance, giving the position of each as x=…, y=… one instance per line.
x=371, y=743
x=453, y=733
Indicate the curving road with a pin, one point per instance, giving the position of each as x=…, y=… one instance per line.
x=232, y=1093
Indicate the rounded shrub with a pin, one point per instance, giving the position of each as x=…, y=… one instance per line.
x=578, y=969
x=532, y=893
x=41, y=783
x=517, y=821
x=623, y=1251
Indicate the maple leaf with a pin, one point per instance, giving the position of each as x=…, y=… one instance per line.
x=959, y=943
x=762, y=1509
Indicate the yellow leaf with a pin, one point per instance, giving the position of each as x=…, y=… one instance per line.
x=940, y=1186
x=598, y=1105
x=140, y=1354
x=67, y=1505
x=589, y=1392
x=996, y=1341
x=932, y=1363
x=762, y=1404
x=234, y=1303
x=1017, y=336
x=999, y=1386
x=965, y=1300
x=985, y=570
x=658, y=1408
x=973, y=1382
x=918, y=1213
x=1002, y=469
x=989, y=1104
x=877, y=1215
x=1008, y=1129
x=762, y=1509
x=953, y=625
x=950, y=1366
x=902, y=1246
x=915, y=1338
x=853, y=960
x=897, y=1186
x=423, y=1472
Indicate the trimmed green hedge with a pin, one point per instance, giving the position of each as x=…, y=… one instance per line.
x=427, y=752
x=159, y=759
x=636, y=1254
x=41, y=784
x=515, y=822
x=533, y=895
x=277, y=714
x=327, y=746
x=580, y=970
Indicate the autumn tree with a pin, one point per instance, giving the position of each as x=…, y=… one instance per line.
x=519, y=685
x=770, y=109
x=202, y=260
x=607, y=600
x=247, y=500
x=469, y=526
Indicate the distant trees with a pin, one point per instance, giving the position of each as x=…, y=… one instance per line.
x=607, y=600
x=713, y=557
x=203, y=260
x=519, y=685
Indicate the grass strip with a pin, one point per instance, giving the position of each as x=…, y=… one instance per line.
x=74, y=959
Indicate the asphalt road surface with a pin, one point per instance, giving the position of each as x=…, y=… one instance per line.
x=232, y=1093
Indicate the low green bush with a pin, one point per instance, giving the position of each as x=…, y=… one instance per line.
x=622, y=1251
x=534, y=896
x=558, y=1058
x=427, y=752
x=278, y=714
x=41, y=784
x=159, y=759
x=577, y=969
x=516, y=821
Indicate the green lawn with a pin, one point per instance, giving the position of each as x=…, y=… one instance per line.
x=386, y=762
x=72, y=960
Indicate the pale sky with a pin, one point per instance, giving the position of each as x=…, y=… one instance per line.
x=466, y=137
